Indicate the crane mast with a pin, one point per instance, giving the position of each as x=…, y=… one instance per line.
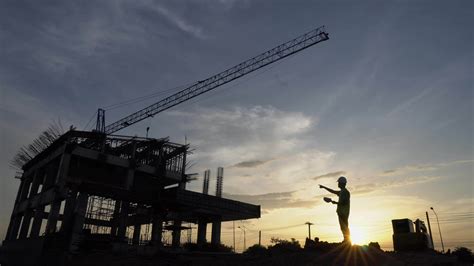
x=281, y=51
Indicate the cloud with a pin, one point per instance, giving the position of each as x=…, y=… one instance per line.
x=250, y=164
x=248, y=135
x=179, y=22
x=397, y=182
x=272, y=201
x=421, y=167
x=244, y=134
x=332, y=174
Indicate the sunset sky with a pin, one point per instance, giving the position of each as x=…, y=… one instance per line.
x=387, y=102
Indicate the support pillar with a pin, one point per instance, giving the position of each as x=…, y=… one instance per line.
x=125, y=205
x=14, y=227
x=176, y=234
x=78, y=222
x=63, y=169
x=115, y=218
x=68, y=216
x=24, y=190
x=136, y=234
x=216, y=232
x=15, y=218
x=37, y=180
x=25, y=225
x=53, y=217
x=201, y=236
x=157, y=229
x=37, y=221
x=122, y=227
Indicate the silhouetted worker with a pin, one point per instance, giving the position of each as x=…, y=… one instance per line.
x=343, y=206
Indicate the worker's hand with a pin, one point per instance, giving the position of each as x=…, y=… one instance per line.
x=321, y=186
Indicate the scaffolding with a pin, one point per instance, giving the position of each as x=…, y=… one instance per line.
x=99, y=209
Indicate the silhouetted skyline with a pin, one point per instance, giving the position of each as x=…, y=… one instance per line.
x=387, y=101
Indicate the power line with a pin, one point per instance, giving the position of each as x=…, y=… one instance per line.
x=90, y=120
x=144, y=97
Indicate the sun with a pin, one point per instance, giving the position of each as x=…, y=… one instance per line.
x=358, y=237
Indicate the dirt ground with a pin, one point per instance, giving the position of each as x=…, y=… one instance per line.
x=343, y=255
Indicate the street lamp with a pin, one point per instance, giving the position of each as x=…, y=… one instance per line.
x=243, y=229
x=439, y=228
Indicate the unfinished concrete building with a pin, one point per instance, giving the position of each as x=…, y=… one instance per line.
x=89, y=190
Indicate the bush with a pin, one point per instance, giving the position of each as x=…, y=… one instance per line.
x=256, y=250
x=283, y=245
x=464, y=254
x=208, y=247
x=375, y=245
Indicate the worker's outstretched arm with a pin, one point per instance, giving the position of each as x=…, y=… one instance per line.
x=330, y=190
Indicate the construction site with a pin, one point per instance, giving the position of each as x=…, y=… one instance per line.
x=92, y=190
x=89, y=191
x=95, y=197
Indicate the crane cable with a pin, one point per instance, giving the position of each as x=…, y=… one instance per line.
x=145, y=97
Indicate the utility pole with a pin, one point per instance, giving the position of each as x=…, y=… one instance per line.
x=309, y=229
x=259, y=237
x=439, y=228
x=245, y=243
x=233, y=233
x=429, y=228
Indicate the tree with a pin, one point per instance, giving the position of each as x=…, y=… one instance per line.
x=464, y=254
x=283, y=245
x=256, y=250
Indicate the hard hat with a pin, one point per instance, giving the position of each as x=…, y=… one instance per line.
x=342, y=180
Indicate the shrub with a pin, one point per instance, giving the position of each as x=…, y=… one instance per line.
x=464, y=254
x=283, y=245
x=256, y=250
x=208, y=247
x=375, y=245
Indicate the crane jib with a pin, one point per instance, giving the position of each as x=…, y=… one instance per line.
x=281, y=51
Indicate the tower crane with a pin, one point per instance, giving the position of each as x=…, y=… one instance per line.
x=271, y=56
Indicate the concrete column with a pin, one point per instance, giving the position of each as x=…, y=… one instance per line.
x=68, y=216
x=176, y=234
x=49, y=177
x=136, y=234
x=131, y=169
x=202, y=230
x=25, y=225
x=20, y=188
x=25, y=188
x=182, y=184
x=78, y=223
x=216, y=232
x=63, y=168
x=157, y=229
x=122, y=227
x=14, y=226
x=37, y=221
x=15, y=219
x=115, y=218
x=37, y=181
x=53, y=217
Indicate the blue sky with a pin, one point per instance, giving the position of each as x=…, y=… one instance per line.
x=388, y=100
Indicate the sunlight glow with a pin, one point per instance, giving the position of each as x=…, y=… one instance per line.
x=358, y=237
